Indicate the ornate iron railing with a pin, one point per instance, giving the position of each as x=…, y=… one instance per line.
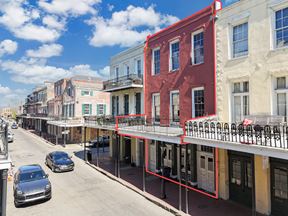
x=100, y=121
x=263, y=135
x=123, y=81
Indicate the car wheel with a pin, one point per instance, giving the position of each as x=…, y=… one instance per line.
x=17, y=205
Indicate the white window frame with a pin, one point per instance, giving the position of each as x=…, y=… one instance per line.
x=193, y=99
x=153, y=65
x=170, y=54
x=171, y=114
x=279, y=91
x=192, y=45
x=273, y=9
x=153, y=102
x=242, y=95
x=240, y=22
x=136, y=66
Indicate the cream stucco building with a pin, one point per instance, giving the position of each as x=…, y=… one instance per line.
x=252, y=70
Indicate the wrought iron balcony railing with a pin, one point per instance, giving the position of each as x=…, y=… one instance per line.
x=123, y=82
x=100, y=121
x=150, y=125
x=275, y=136
x=3, y=141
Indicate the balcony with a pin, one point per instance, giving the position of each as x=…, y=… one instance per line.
x=100, y=122
x=124, y=82
x=266, y=140
x=165, y=130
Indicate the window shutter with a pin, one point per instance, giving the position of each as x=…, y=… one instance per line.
x=90, y=109
x=91, y=93
x=104, y=107
x=83, y=107
x=82, y=93
x=97, y=109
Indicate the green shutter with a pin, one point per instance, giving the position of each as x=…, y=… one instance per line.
x=82, y=93
x=91, y=93
x=90, y=109
x=97, y=109
x=83, y=106
x=104, y=109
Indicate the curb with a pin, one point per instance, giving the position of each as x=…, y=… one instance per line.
x=38, y=137
x=146, y=195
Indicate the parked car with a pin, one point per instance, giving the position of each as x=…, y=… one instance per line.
x=10, y=136
x=103, y=141
x=14, y=126
x=59, y=161
x=31, y=183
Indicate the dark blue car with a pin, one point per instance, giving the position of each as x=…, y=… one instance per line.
x=59, y=161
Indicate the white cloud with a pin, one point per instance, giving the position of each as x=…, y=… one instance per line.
x=123, y=27
x=8, y=47
x=13, y=97
x=69, y=7
x=110, y=7
x=45, y=51
x=53, y=22
x=33, y=71
x=20, y=19
x=4, y=90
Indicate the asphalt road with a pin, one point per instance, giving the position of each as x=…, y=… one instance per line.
x=83, y=192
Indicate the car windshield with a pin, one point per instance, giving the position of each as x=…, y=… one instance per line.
x=32, y=176
x=60, y=156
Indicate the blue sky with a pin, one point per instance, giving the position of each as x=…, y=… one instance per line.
x=49, y=39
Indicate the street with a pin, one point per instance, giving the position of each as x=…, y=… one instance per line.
x=81, y=192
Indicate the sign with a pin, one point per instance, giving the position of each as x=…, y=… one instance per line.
x=66, y=132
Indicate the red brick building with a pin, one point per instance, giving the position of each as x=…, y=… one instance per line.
x=180, y=69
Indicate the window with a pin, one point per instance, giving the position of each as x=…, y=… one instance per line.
x=174, y=55
x=281, y=27
x=174, y=101
x=240, y=40
x=281, y=96
x=236, y=172
x=127, y=70
x=138, y=103
x=138, y=67
x=280, y=183
x=126, y=104
x=117, y=73
x=156, y=61
x=156, y=107
x=86, y=93
x=198, y=103
x=101, y=109
x=240, y=97
x=86, y=109
x=198, y=48
x=115, y=105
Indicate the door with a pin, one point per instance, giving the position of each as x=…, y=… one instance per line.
x=279, y=189
x=127, y=151
x=140, y=153
x=138, y=103
x=206, y=171
x=152, y=156
x=241, y=179
x=126, y=104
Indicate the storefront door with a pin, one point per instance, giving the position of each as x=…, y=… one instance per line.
x=241, y=179
x=279, y=188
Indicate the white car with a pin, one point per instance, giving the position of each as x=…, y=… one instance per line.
x=10, y=137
